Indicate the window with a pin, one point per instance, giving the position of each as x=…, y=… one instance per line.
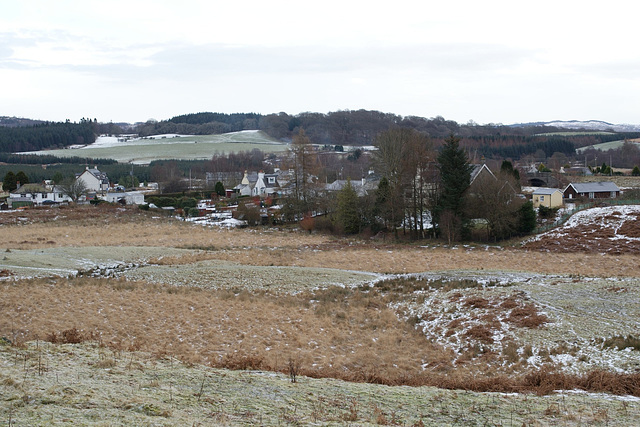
x=542, y=198
x=272, y=180
x=591, y=195
x=613, y=194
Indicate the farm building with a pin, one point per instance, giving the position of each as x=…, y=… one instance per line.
x=592, y=190
x=548, y=197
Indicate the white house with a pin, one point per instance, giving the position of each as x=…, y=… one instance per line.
x=37, y=195
x=129, y=197
x=94, y=180
x=244, y=188
x=266, y=184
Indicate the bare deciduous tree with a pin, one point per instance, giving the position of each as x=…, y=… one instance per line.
x=73, y=188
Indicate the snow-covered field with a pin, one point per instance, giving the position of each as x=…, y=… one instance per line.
x=581, y=313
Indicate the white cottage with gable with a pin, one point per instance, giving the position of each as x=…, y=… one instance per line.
x=94, y=180
x=266, y=184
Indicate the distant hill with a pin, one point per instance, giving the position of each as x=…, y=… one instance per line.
x=12, y=122
x=589, y=125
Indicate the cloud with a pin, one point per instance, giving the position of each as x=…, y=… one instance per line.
x=211, y=61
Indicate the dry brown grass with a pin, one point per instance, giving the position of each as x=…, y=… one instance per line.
x=359, y=336
x=343, y=335
x=527, y=317
x=110, y=226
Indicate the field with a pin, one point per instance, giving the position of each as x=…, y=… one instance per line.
x=118, y=316
x=611, y=145
x=574, y=133
x=144, y=151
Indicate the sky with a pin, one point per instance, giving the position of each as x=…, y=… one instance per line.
x=482, y=61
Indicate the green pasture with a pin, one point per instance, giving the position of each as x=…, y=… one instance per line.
x=605, y=146
x=574, y=133
x=144, y=151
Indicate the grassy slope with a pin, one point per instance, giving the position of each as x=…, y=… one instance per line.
x=184, y=148
x=135, y=396
x=84, y=384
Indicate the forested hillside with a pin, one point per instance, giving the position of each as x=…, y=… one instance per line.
x=338, y=128
x=347, y=127
x=46, y=135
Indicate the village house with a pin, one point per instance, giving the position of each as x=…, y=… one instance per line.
x=368, y=184
x=127, y=198
x=547, y=197
x=592, y=190
x=245, y=187
x=480, y=171
x=36, y=195
x=266, y=184
x=94, y=180
x=481, y=175
x=257, y=184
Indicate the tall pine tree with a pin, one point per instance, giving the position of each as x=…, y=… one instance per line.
x=9, y=181
x=347, y=214
x=455, y=177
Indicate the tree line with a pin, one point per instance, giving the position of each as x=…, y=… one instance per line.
x=424, y=191
x=45, y=159
x=46, y=136
x=344, y=127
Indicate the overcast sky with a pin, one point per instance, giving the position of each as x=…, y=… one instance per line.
x=486, y=61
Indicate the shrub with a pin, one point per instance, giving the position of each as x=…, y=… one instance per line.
x=527, y=317
x=621, y=342
x=187, y=202
x=546, y=213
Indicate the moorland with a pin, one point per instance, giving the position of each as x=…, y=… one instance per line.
x=113, y=314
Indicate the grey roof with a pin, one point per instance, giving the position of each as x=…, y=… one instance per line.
x=101, y=176
x=546, y=191
x=360, y=189
x=477, y=169
x=594, y=187
x=30, y=188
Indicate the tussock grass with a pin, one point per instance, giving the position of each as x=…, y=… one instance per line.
x=76, y=226
x=338, y=333
x=621, y=342
x=328, y=331
x=527, y=316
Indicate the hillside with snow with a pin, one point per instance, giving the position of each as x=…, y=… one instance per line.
x=587, y=125
x=611, y=229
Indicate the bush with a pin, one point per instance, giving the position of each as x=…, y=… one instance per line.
x=187, y=202
x=163, y=202
x=546, y=213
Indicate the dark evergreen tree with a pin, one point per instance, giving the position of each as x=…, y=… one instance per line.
x=635, y=171
x=57, y=177
x=507, y=168
x=526, y=218
x=9, y=183
x=383, y=207
x=219, y=189
x=455, y=177
x=22, y=178
x=347, y=214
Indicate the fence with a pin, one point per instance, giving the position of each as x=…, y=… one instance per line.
x=577, y=208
